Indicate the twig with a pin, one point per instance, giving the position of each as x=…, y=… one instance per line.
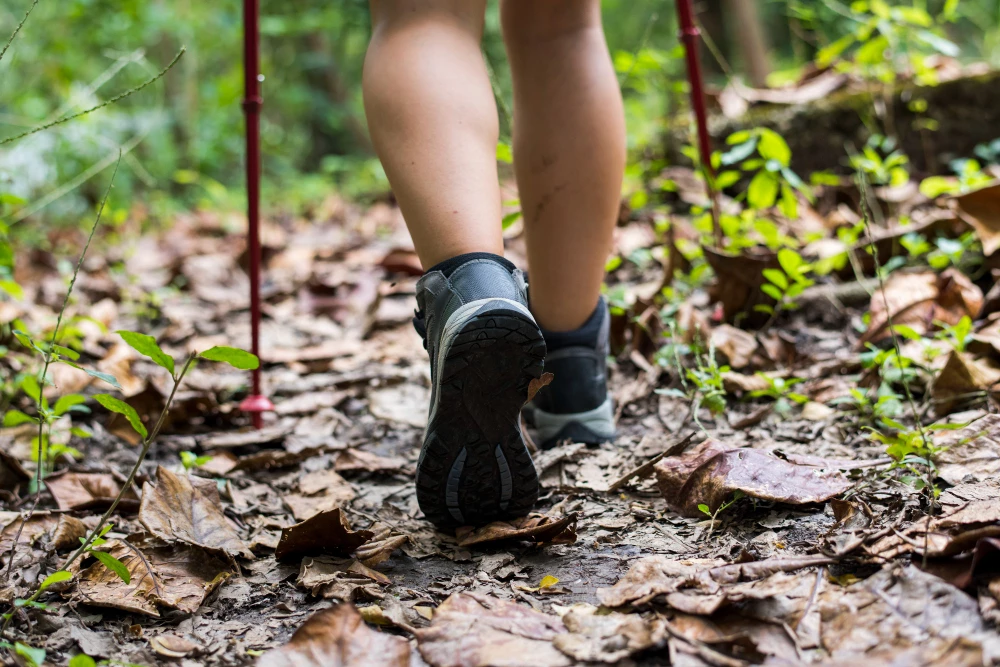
x=109, y=102
x=647, y=467
x=18, y=28
x=45, y=373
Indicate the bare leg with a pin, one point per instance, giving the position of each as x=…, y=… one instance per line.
x=569, y=151
x=434, y=125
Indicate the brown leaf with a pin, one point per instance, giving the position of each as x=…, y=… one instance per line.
x=319, y=491
x=536, y=528
x=325, y=533
x=273, y=459
x=402, y=403
x=172, y=646
x=473, y=630
x=173, y=576
x=737, y=345
x=12, y=474
x=360, y=460
x=54, y=531
x=609, y=638
x=341, y=579
x=536, y=384
x=695, y=586
x=919, y=299
x=970, y=452
x=961, y=376
x=381, y=546
x=710, y=473
x=174, y=510
x=981, y=209
x=338, y=637
x=81, y=490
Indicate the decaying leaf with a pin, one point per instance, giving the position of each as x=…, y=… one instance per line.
x=360, y=460
x=737, y=345
x=473, y=630
x=971, y=452
x=608, y=638
x=738, y=281
x=175, y=576
x=536, y=385
x=380, y=547
x=327, y=533
x=710, y=473
x=536, y=528
x=319, y=491
x=174, y=510
x=700, y=585
x=981, y=209
x=58, y=531
x=919, y=299
x=172, y=646
x=338, y=637
x=12, y=474
x=341, y=579
x=96, y=491
x=961, y=377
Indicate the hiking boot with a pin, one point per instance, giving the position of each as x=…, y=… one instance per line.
x=484, y=348
x=576, y=406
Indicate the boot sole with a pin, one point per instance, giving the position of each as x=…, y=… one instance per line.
x=474, y=466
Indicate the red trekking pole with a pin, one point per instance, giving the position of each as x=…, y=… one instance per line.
x=689, y=37
x=256, y=403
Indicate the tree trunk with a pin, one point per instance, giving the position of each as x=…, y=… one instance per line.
x=745, y=22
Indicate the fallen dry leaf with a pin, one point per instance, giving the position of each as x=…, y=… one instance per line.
x=58, y=532
x=319, y=491
x=971, y=452
x=981, y=209
x=919, y=299
x=738, y=281
x=344, y=579
x=380, y=547
x=536, y=528
x=96, y=491
x=12, y=475
x=176, y=576
x=360, y=460
x=711, y=472
x=473, y=630
x=325, y=533
x=699, y=585
x=737, y=345
x=536, y=384
x=174, y=510
x=961, y=376
x=338, y=637
x=172, y=646
x=594, y=637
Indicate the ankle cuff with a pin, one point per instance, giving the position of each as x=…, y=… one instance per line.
x=586, y=335
x=448, y=266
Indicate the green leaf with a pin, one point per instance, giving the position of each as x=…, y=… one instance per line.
x=113, y=564
x=12, y=288
x=65, y=403
x=121, y=407
x=55, y=578
x=777, y=277
x=66, y=352
x=34, y=656
x=30, y=387
x=738, y=137
x=81, y=432
x=772, y=146
x=913, y=16
x=763, y=190
x=726, y=179
x=935, y=186
x=146, y=346
x=703, y=508
x=740, y=152
x=772, y=291
x=504, y=153
x=790, y=261
x=510, y=219
x=830, y=52
x=106, y=377
x=16, y=418
x=233, y=356
x=82, y=660
x=938, y=43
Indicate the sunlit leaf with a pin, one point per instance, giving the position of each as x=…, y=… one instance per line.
x=55, y=578
x=16, y=418
x=67, y=402
x=233, y=356
x=113, y=564
x=147, y=346
x=121, y=407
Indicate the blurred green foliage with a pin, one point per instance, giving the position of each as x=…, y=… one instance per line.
x=183, y=136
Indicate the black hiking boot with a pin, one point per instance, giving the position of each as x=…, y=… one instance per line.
x=485, y=348
x=576, y=406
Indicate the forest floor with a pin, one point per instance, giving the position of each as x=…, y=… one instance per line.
x=832, y=553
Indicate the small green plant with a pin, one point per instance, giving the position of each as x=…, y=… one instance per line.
x=786, y=284
x=957, y=335
x=969, y=175
x=190, y=460
x=765, y=154
x=780, y=389
x=882, y=162
x=886, y=403
x=913, y=452
x=707, y=511
x=702, y=384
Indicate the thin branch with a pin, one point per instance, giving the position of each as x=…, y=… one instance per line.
x=45, y=373
x=109, y=102
x=18, y=28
